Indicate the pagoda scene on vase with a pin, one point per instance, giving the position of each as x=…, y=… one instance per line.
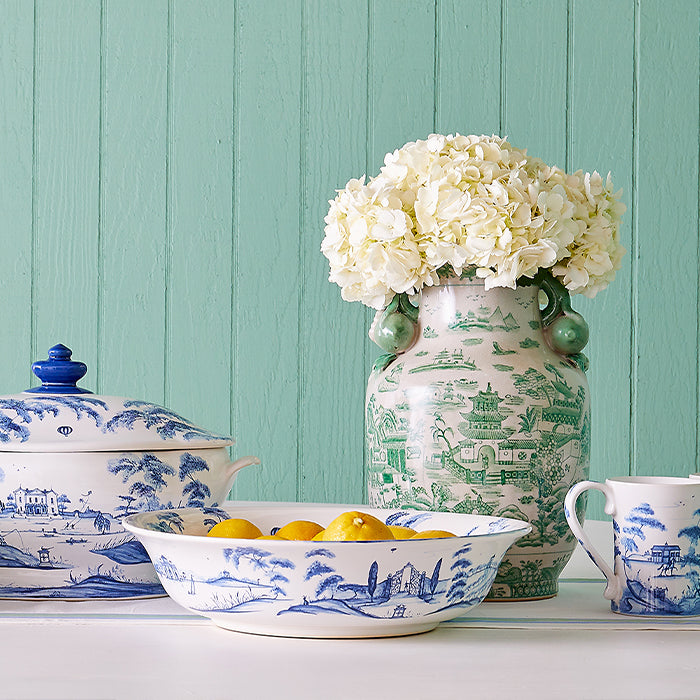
x=480, y=403
x=481, y=416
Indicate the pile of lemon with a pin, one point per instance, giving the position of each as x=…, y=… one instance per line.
x=350, y=526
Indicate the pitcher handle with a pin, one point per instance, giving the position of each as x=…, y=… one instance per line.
x=613, y=589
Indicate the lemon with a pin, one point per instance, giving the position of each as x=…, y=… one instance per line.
x=299, y=530
x=269, y=537
x=235, y=527
x=401, y=533
x=432, y=534
x=319, y=537
x=353, y=526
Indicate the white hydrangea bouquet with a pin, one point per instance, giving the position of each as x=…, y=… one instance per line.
x=470, y=201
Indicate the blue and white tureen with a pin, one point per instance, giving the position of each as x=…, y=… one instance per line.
x=73, y=464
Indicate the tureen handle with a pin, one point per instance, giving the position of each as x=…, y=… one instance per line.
x=59, y=374
x=240, y=463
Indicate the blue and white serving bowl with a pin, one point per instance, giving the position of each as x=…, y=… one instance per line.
x=324, y=589
x=73, y=463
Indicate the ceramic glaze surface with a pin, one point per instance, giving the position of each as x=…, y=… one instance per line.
x=656, y=533
x=72, y=464
x=60, y=416
x=69, y=423
x=482, y=416
x=60, y=517
x=324, y=589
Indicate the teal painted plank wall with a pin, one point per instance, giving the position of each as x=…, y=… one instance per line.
x=165, y=167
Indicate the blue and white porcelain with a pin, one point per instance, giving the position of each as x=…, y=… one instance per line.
x=73, y=464
x=324, y=589
x=656, y=534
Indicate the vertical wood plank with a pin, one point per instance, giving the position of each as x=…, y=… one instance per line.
x=600, y=139
x=665, y=264
x=332, y=332
x=533, y=101
x=16, y=137
x=67, y=118
x=468, y=68
x=200, y=184
x=401, y=75
x=163, y=199
x=132, y=188
x=266, y=240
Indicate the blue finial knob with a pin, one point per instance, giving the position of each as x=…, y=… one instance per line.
x=59, y=374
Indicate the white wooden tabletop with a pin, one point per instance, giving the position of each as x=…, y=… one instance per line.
x=570, y=646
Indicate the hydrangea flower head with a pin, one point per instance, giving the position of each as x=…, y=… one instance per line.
x=470, y=201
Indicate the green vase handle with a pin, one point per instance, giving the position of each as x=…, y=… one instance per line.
x=395, y=328
x=565, y=330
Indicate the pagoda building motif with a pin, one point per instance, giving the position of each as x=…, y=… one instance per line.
x=494, y=445
x=485, y=420
x=565, y=412
x=478, y=454
x=492, y=453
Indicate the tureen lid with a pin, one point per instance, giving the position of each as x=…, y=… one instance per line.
x=60, y=416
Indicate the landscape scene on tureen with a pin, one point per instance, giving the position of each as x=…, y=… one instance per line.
x=72, y=540
x=50, y=549
x=58, y=542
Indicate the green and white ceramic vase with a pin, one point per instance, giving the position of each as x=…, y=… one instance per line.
x=482, y=406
